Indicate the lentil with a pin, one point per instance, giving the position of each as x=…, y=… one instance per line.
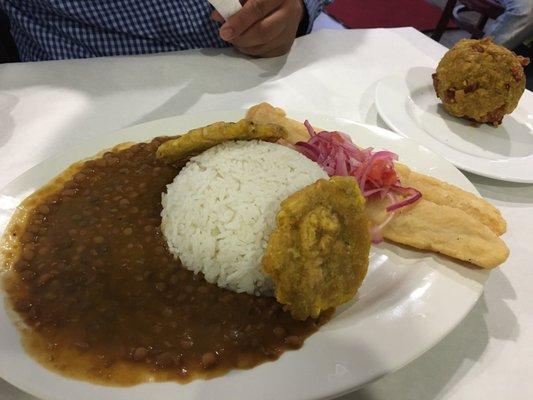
x=94, y=278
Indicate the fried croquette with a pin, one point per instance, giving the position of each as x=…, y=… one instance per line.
x=480, y=80
x=198, y=140
x=318, y=254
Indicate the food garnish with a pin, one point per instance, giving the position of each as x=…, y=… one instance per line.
x=374, y=170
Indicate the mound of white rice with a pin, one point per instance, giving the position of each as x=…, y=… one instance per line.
x=221, y=208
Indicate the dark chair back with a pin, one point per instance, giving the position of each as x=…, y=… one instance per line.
x=485, y=8
x=490, y=8
x=8, y=49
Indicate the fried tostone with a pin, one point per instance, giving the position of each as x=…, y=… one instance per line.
x=198, y=140
x=318, y=254
x=480, y=80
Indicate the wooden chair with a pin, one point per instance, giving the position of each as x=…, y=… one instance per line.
x=486, y=8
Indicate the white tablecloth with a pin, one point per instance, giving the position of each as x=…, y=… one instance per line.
x=46, y=107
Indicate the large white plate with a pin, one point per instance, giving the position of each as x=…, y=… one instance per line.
x=408, y=302
x=408, y=104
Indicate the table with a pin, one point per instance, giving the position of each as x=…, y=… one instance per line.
x=47, y=107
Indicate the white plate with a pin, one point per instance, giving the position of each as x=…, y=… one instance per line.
x=408, y=104
x=408, y=302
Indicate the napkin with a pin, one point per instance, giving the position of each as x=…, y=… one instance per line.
x=226, y=8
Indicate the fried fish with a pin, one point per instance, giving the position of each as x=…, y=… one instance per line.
x=442, y=229
x=443, y=193
x=265, y=113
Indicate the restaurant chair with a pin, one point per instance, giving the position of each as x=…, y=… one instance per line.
x=486, y=8
x=8, y=49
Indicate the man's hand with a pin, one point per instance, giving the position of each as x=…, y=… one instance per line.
x=264, y=28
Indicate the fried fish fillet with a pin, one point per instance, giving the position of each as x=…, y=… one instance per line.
x=447, y=220
x=444, y=194
x=442, y=229
x=265, y=113
x=318, y=254
x=198, y=140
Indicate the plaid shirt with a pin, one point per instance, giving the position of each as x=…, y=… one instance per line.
x=61, y=29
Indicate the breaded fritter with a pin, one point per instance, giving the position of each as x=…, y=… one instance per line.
x=318, y=254
x=443, y=193
x=443, y=229
x=198, y=140
x=480, y=80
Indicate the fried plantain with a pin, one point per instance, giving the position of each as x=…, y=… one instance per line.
x=318, y=254
x=198, y=140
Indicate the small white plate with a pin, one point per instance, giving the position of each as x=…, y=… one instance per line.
x=408, y=302
x=408, y=104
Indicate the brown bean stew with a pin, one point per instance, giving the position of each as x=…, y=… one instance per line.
x=105, y=301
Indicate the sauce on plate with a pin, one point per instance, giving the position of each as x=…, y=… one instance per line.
x=100, y=298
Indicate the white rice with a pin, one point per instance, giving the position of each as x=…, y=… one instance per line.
x=221, y=208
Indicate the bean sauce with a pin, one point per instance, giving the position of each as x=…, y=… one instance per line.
x=103, y=300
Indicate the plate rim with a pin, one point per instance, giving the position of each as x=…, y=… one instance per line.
x=339, y=390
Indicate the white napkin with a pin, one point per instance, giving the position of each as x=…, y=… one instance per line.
x=226, y=8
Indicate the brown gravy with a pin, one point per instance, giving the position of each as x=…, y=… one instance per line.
x=103, y=300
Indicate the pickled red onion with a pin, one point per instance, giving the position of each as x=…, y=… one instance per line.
x=374, y=170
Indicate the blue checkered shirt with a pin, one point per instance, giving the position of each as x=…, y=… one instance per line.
x=61, y=29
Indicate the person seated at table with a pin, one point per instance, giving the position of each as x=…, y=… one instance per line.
x=63, y=29
x=515, y=25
